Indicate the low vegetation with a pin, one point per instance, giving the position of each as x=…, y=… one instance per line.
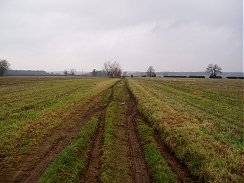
x=200, y=120
x=70, y=164
x=174, y=129
x=158, y=166
x=115, y=163
x=33, y=109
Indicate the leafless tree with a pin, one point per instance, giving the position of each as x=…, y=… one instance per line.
x=72, y=72
x=4, y=66
x=213, y=70
x=151, y=72
x=65, y=72
x=112, y=69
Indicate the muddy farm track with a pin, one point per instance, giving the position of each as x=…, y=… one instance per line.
x=123, y=146
x=141, y=173
x=91, y=173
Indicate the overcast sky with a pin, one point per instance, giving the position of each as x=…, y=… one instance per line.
x=171, y=35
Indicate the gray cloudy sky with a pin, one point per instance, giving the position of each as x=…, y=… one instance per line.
x=171, y=35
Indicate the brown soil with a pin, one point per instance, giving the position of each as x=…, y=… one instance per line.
x=91, y=174
x=141, y=173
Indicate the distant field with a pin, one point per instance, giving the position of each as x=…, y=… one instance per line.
x=73, y=129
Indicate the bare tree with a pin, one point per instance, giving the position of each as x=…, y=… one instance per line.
x=65, y=72
x=72, y=72
x=4, y=66
x=213, y=70
x=151, y=72
x=112, y=69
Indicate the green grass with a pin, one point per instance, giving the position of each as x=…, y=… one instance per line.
x=34, y=108
x=158, y=167
x=201, y=121
x=70, y=163
x=115, y=162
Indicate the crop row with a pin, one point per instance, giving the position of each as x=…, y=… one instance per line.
x=207, y=138
x=35, y=135
x=116, y=165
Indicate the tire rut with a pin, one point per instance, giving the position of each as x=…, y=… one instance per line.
x=43, y=164
x=93, y=166
x=33, y=175
x=141, y=173
x=179, y=169
x=91, y=174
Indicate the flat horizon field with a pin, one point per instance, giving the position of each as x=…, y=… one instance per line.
x=142, y=130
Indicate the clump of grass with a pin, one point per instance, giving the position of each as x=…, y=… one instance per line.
x=71, y=162
x=158, y=167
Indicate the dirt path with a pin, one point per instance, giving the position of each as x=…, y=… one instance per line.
x=141, y=173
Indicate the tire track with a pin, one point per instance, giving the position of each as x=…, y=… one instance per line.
x=93, y=167
x=179, y=169
x=181, y=172
x=32, y=175
x=141, y=173
x=91, y=174
x=43, y=164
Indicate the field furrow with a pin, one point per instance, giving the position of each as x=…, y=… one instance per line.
x=141, y=173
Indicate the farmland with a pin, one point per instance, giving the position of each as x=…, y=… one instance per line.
x=72, y=129
x=200, y=121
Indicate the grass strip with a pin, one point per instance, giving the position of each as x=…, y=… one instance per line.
x=115, y=162
x=158, y=167
x=71, y=162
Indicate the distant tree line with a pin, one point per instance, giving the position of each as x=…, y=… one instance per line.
x=111, y=69
x=26, y=73
x=97, y=73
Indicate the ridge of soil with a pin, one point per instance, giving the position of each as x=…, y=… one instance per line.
x=141, y=173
